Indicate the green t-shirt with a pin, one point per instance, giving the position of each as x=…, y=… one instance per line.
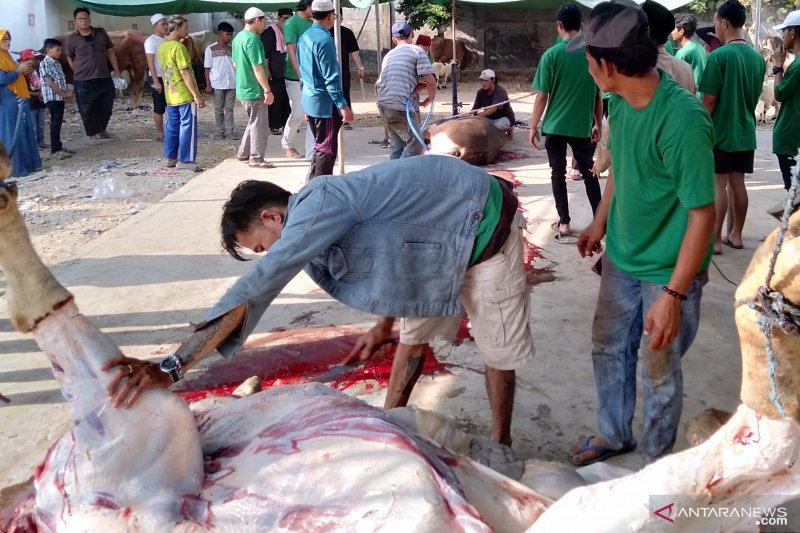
x=663, y=166
x=694, y=54
x=247, y=51
x=735, y=75
x=565, y=77
x=786, y=133
x=292, y=30
x=173, y=57
x=491, y=216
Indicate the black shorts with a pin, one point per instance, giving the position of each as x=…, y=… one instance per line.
x=727, y=162
x=159, y=100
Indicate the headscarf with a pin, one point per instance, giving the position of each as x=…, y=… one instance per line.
x=7, y=64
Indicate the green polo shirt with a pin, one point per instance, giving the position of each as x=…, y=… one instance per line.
x=786, y=133
x=292, y=30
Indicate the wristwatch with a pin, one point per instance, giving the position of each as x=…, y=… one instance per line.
x=776, y=69
x=172, y=366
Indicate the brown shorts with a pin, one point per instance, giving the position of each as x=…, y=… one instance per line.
x=496, y=297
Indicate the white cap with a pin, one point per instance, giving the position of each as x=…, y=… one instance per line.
x=253, y=13
x=321, y=6
x=487, y=74
x=155, y=18
x=792, y=19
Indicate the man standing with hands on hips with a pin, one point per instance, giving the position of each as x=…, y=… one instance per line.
x=322, y=88
x=252, y=88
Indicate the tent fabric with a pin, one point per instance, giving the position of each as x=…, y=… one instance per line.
x=528, y=4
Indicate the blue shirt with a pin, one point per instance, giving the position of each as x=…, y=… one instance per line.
x=393, y=239
x=320, y=72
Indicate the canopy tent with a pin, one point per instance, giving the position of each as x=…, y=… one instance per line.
x=130, y=8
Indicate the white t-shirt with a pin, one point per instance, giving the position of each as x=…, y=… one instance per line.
x=220, y=60
x=151, y=45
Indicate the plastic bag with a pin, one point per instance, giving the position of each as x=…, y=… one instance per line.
x=111, y=189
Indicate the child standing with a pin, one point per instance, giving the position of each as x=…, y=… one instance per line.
x=221, y=79
x=35, y=88
x=54, y=92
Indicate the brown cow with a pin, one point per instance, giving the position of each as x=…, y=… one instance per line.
x=129, y=49
x=442, y=51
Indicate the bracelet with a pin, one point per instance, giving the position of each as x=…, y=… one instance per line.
x=674, y=294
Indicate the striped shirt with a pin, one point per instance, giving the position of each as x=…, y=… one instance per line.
x=51, y=67
x=400, y=74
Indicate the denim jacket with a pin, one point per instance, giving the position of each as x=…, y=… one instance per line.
x=393, y=239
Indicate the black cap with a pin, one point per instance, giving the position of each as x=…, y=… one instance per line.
x=302, y=5
x=613, y=24
x=285, y=12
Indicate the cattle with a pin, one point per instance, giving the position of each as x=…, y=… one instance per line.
x=442, y=51
x=129, y=49
x=201, y=40
x=441, y=72
x=767, y=100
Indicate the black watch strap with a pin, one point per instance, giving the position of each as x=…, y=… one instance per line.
x=776, y=69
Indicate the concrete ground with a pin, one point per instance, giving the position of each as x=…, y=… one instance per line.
x=145, y=280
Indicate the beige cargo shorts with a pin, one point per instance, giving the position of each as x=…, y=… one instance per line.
x=496, y=298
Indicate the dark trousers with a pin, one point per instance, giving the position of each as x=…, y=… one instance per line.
x=56, y=110
x=786, y=162
x=281, y=108
x=95, y=102
x=583, y=150
x=346, y=88
x=326, y=144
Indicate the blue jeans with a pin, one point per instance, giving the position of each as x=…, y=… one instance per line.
x=37, y=118
x=623, y=303
x=180, y=134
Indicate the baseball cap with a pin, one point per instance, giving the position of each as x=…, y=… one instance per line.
x=155, y=18
x=322, y=6
x=401, y=29
x=487, y=74
x=792, y=19
x=28, y=53
x=303, y=4
x=285, y=12
x=613, y=24
x=253, y=13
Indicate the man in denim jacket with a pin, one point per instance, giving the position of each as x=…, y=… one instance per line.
x=416, y=237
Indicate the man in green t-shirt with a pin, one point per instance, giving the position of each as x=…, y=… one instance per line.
x=252, y=88
x=691, y=51
x=786, y=133
x=292, y=30
x=182, y=95
x=657, y=214
x=566, y=89
x=731, y=86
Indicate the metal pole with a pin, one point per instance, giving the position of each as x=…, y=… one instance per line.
x=378, y=32
x=453, y=64
x=757, y=22
x=337, y=36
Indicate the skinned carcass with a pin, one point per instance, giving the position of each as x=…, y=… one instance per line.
x=471, y=139
x=301, y=457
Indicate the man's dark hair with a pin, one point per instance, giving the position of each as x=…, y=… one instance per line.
x=51, y=43
x=687, y=22
x=634, y=60
x=570, y=17
x=733, y=11
x=660, y=20
x=224, y=26
x=80, y=10
x=247, y=201
x=320, y=15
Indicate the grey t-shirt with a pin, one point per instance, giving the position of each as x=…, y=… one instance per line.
x=400, y=74
x=89, y=54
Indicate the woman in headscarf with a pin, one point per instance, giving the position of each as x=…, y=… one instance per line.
x=16, y=128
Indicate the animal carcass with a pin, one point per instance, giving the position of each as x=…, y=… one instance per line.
x=293, y=458
x=129, y=49
x=442, y=51
x=442, y=72
x=472, y=139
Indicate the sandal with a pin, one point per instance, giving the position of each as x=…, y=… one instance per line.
x=261, y=164
x=244, y=159
x=603, y=451
x=292, y=153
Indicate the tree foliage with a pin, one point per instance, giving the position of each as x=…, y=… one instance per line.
x=420, y=13
x=771, y=10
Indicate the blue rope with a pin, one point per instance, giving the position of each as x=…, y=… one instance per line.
x=418, y=134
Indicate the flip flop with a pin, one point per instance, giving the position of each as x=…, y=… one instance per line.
x=726, y=242
x=291, y=153
x=261, y=164
x=605, y=453
x=373, y=141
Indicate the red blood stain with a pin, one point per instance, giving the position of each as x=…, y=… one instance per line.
x=297, y=356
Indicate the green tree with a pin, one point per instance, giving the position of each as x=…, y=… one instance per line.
x=419, y=13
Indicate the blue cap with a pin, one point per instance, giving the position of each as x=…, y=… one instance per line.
x=401, y=29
